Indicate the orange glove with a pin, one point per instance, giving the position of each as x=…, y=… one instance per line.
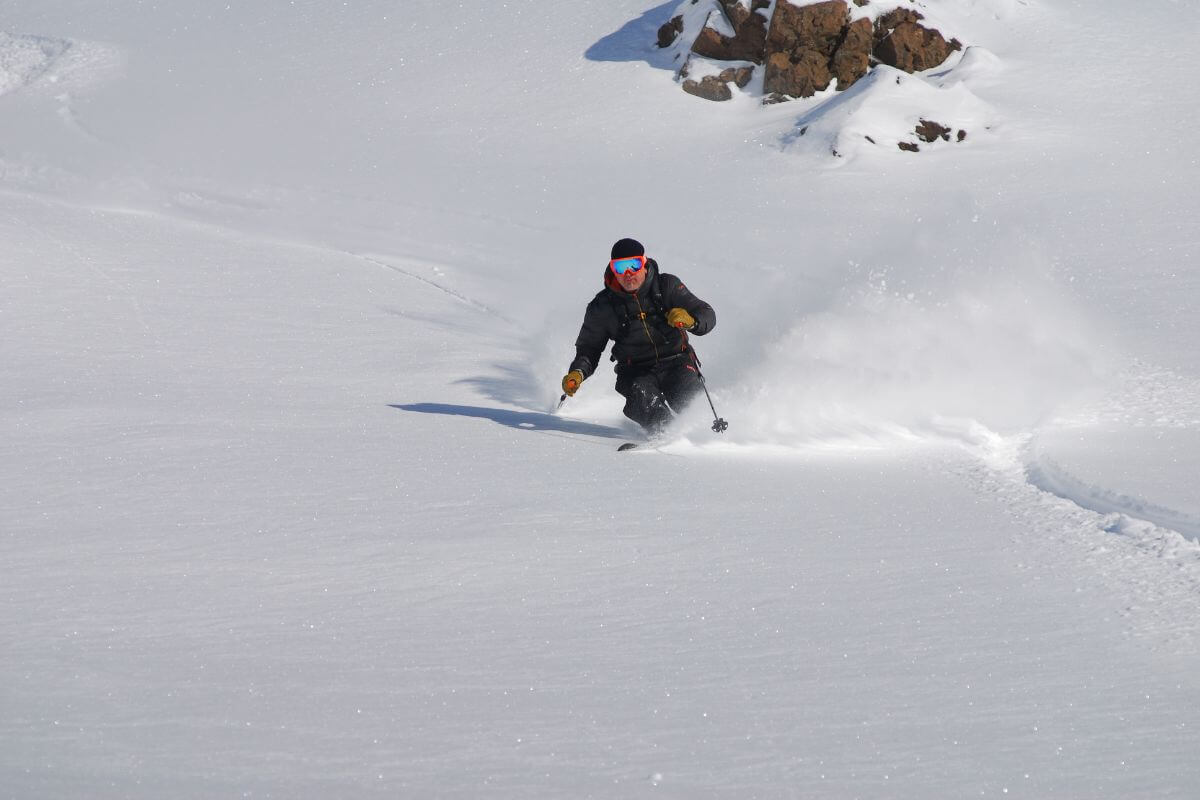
x=680, y=318
x=571, y=382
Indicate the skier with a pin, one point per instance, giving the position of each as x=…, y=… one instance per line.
x=647, y=314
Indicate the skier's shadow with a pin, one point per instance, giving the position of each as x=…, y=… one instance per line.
x=521, y=420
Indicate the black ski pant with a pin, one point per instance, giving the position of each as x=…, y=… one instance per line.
x=653, y=392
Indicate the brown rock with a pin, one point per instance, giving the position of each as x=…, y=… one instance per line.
x=710, y=88
x=930, y=131
x=670, y=31
x=800, y=47
x=736, y=13
x=807, y=45
x=817, y=26
x=911, y=46
x=887, y=22
x=910, y=147
x=853, y=56
x=738, y=75
x=747, y=43
x=711, y=44
x=716, y=87
x=800, y=79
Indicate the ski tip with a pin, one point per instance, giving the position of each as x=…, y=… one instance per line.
x=627, y=446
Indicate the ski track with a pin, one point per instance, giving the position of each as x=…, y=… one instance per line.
x=1145, y=398
x=236, y=234
x=1147, y=553
x=1123, y=544
x=1155, y=567
x=1047, y=475
x=459, y=296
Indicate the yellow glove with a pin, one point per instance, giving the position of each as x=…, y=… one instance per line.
x=571, y=382
x=680, y=318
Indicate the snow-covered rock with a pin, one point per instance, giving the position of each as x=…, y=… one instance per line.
x=801, y=48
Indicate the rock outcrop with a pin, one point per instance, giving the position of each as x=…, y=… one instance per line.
x=902, y=42
x=749, y=38
x=716, y=87
x=805, y=47
x=801, y=45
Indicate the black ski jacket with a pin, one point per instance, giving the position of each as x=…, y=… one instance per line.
x=637, y=323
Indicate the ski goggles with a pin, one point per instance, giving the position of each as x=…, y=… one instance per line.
x=620, y=266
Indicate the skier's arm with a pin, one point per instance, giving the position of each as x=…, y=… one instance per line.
x=678, y=296
x=590, y=344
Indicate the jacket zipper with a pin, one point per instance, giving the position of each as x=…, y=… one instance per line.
x=642, y=317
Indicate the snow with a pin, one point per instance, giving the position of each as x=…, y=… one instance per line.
x=285, y=511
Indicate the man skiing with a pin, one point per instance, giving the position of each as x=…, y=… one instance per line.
x=647, y=315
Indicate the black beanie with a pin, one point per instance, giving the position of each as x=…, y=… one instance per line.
x=624, y=248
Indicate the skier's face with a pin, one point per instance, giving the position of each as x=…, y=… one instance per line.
x=632, y=281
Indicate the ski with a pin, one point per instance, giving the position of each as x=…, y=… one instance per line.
x=649, y=444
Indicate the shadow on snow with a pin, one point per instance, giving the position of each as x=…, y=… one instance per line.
x=636, y=40
x=513, y=384
x=521, y=420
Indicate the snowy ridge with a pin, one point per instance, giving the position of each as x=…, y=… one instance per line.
x=882, y=110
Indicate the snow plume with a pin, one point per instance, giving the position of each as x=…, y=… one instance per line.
x=61, y=64
x=881, y=366
x=25, y=58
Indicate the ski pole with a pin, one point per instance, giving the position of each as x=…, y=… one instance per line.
x=719, y=425
x=561, y=400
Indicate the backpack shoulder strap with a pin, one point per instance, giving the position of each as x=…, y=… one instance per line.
x=621, y=310
x=656, y=294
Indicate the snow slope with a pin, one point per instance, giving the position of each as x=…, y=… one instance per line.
x=287, y=295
